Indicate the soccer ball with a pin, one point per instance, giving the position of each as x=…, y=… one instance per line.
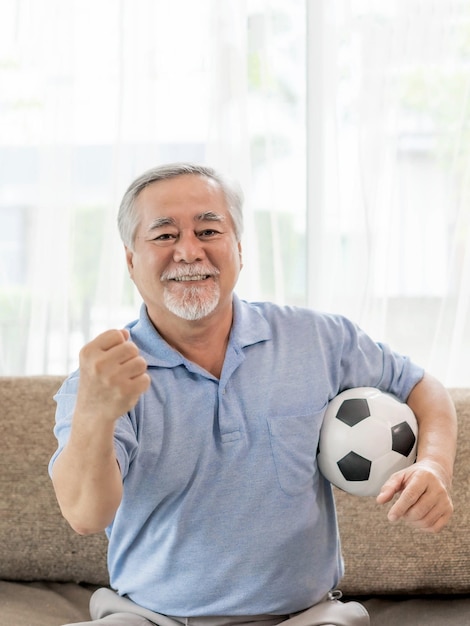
x=366, y=436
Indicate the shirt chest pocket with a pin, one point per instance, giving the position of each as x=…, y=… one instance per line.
x=294, y=443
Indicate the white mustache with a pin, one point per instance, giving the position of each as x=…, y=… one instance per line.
x=190, y=270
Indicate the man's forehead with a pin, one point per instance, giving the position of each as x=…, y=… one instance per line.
x=188, y=188
x=181, y=199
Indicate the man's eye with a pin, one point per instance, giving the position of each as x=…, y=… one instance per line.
x=164, y=237
x=207, y=233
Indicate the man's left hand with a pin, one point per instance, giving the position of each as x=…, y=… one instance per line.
x=423, y=500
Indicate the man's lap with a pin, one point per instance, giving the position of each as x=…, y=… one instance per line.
x=110, y=609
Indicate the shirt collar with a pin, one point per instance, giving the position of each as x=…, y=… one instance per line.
x=249, y=324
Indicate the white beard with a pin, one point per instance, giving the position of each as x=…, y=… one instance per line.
x=194, y=303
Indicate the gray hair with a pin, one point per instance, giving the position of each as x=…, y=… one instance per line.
x=128, y=217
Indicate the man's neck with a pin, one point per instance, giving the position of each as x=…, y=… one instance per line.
x=203, y=342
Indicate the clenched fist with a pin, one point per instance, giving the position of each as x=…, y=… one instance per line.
x=112, y=376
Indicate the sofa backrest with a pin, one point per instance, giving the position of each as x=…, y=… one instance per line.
x=37, y=543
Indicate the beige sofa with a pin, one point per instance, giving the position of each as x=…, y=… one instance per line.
x=47, y=573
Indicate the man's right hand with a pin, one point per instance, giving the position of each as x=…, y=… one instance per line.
x=86, y=474
x=112, y=376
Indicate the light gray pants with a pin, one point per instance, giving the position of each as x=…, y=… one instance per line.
x=110, y=609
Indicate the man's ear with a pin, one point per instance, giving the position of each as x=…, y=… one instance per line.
x=240, y=254
x=129, y=260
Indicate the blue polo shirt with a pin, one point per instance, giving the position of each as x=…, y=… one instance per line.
x=224, y=511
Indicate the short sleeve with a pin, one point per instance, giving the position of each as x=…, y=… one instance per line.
x=367, y=363
x=125, y=441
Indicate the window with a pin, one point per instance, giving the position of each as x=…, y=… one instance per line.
x=345, y=121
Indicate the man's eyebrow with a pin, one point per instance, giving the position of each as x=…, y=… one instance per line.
x=207, y=216
x=159, y=222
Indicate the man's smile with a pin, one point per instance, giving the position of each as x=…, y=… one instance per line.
x=196, y=273
x=191, y=278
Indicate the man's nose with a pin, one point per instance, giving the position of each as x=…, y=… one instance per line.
x=188, y=248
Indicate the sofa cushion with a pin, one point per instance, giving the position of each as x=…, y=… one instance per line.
x=381, y=558
x=419, y=611
x=37, y=543
x=43, y=604
x=54, y=604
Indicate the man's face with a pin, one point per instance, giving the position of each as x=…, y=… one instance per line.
x=186, y=258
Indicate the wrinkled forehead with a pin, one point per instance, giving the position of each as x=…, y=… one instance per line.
x=181, y=198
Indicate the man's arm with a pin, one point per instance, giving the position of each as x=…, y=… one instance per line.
x=86, y=476
x=424, y=500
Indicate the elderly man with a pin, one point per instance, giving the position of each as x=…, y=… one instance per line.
x=191, y=435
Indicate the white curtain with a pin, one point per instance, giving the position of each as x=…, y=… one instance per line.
x=345, y=121
x=389, y=155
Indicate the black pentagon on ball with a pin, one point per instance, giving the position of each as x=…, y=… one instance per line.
x=354, y=467
x=403, y=438
x=353, y=411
